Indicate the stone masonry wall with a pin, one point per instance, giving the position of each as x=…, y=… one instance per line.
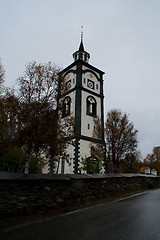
x=24, y=194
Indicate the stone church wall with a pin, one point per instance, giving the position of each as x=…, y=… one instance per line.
x=25, y=194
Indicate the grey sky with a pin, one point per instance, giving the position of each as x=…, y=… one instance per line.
x=122, y=36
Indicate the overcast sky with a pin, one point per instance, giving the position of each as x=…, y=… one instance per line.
x=122, y=36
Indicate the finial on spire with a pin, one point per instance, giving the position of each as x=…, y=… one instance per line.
x=81, y=33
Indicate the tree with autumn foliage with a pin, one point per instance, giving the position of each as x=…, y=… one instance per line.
x=131, y=163
x=121, y=138
x=11, y=156
x=2, y=111
x=5, y=127
x=36, y=100
x=153, y=160
x=31, y=117
x=38, y=110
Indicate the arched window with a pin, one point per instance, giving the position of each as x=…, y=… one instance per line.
x=91, y=106
x=66, y=108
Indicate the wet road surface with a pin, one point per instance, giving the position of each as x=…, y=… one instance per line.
x=133, y=218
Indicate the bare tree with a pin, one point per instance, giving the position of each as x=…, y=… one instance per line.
x=121, y=137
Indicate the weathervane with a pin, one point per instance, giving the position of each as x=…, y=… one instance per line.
x=81, y=33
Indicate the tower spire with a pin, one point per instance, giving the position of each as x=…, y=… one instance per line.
x=81, y=54
x=81, y=47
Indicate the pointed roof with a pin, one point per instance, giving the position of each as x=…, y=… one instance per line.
x=81, y=47
x=81, y=53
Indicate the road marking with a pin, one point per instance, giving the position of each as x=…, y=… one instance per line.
x=81, y=210
x=134, y=195
x=8, y=229
x=38, y=221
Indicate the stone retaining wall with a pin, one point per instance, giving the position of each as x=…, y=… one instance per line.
x=24, y=194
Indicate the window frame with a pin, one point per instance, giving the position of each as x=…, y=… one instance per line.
x=65, y=112
x=92, y=113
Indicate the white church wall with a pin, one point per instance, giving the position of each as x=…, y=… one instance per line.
x=45, y=168
x=67, y=166
x=89, y=75
x=70, y=78
x=70, y=75
x=86, y=68
x=85, y=148
x=72, y=96
x=85, y=152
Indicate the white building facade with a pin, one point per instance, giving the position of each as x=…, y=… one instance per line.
x=84, y=101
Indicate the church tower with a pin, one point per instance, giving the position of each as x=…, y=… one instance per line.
x=84, y=100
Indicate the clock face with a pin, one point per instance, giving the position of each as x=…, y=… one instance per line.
x=68, y=84
x=90, y=84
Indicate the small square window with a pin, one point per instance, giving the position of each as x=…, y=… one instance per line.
x=88, y=126
x=97, y=86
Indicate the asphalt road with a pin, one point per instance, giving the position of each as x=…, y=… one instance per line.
x=133, y=218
